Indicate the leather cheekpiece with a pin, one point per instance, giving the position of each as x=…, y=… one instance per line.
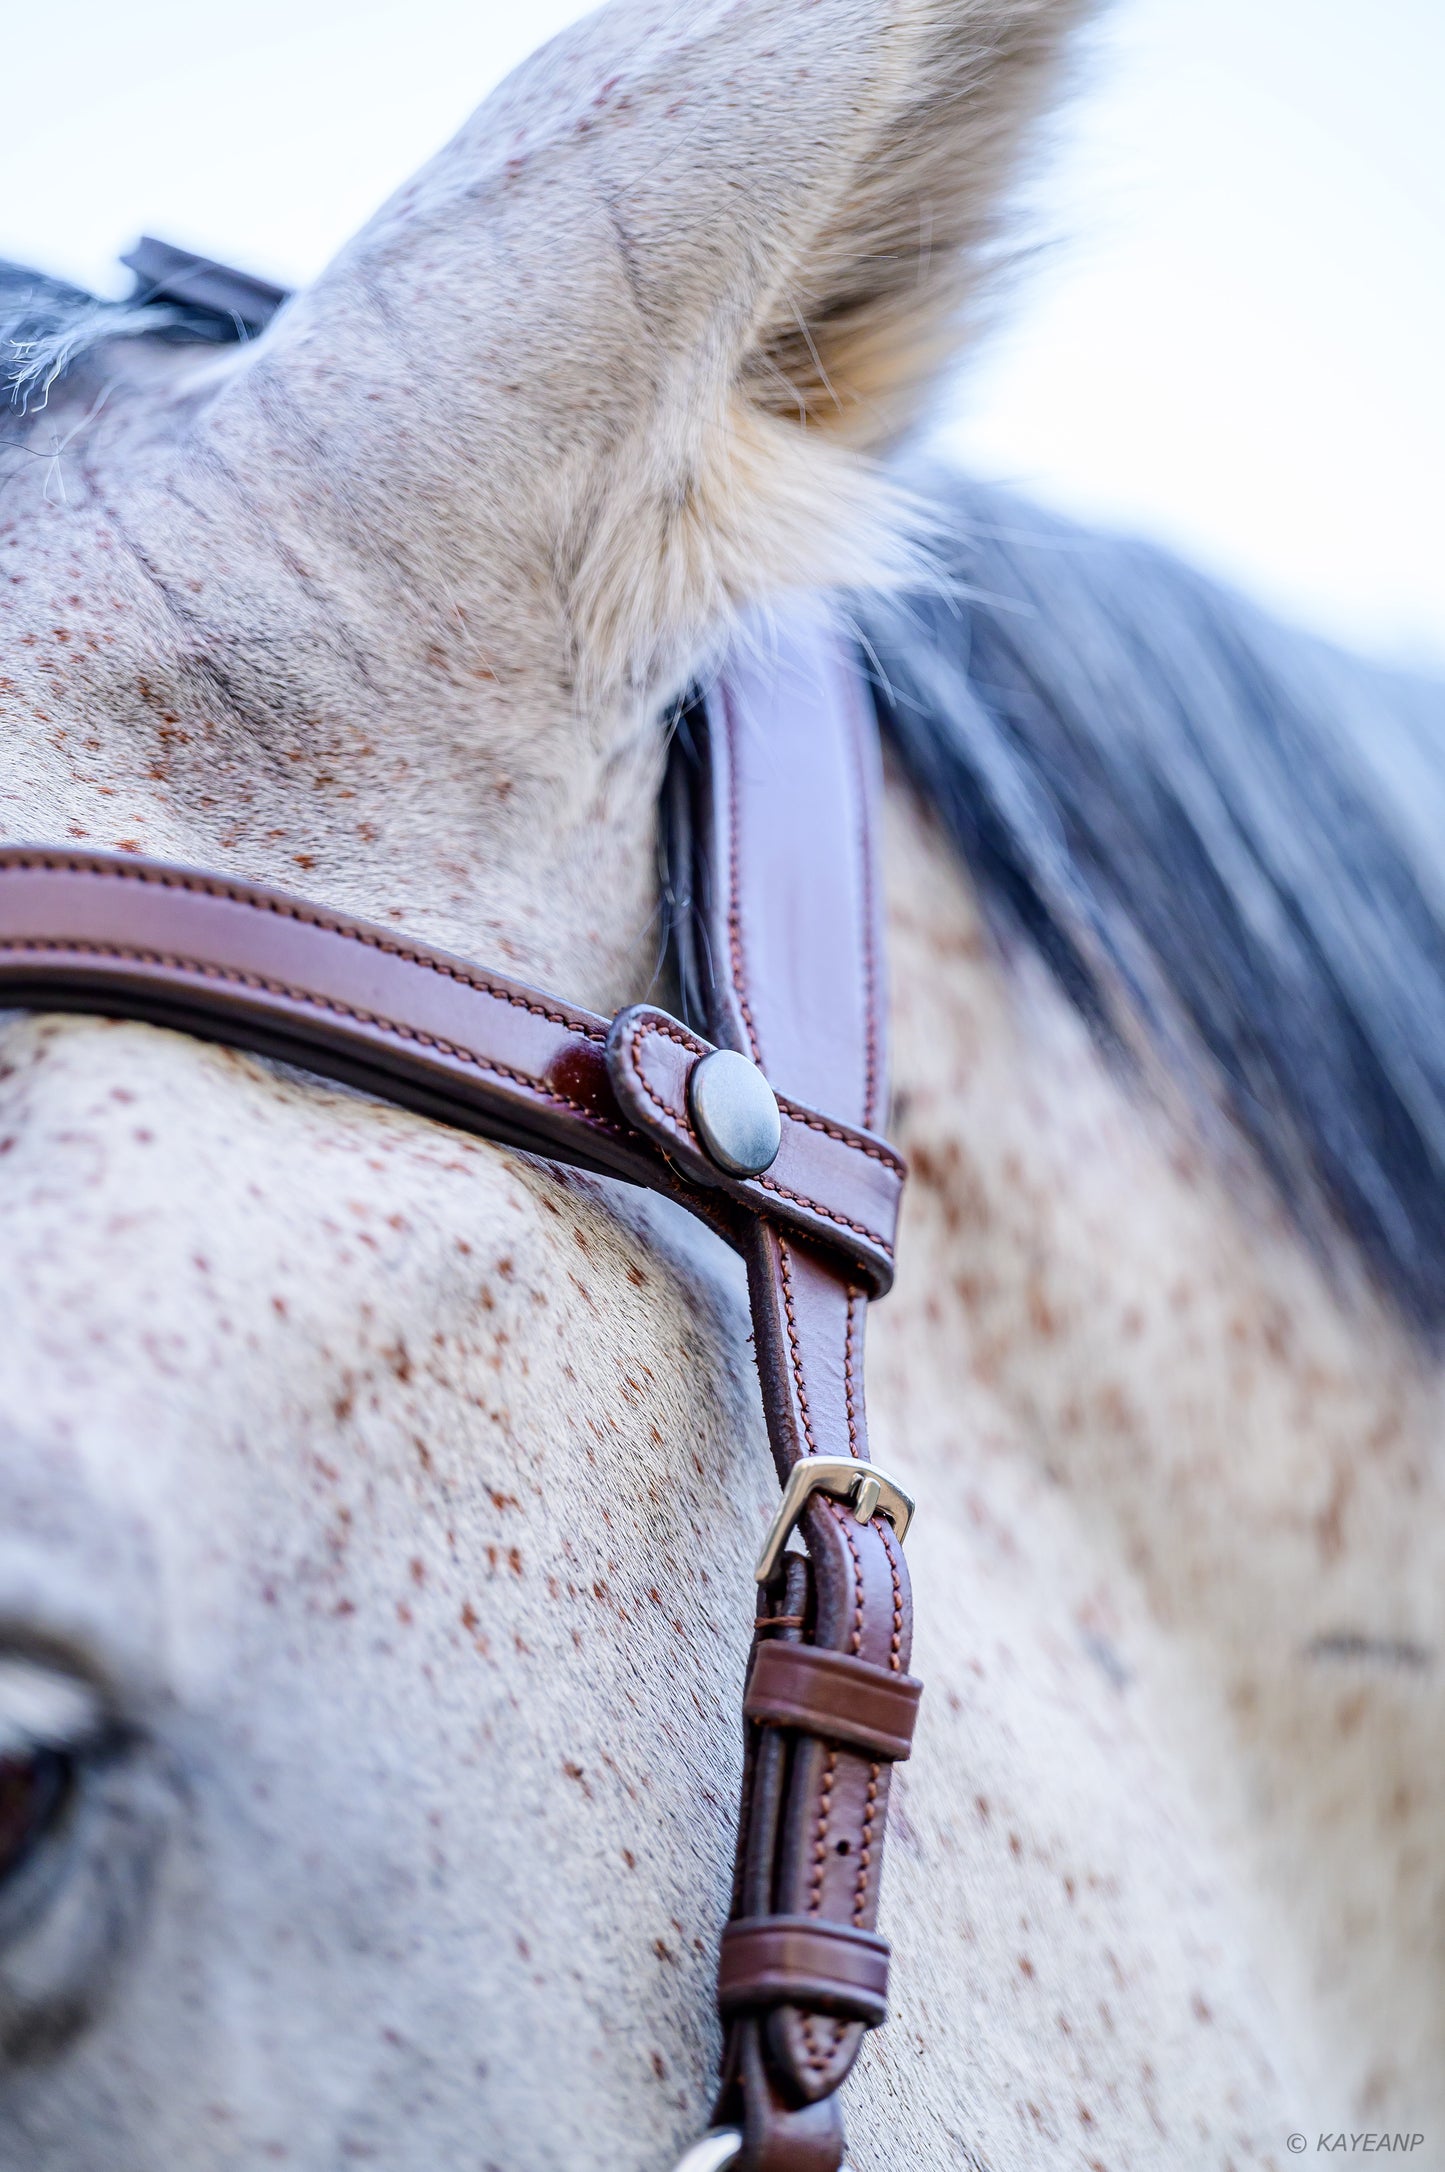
x=835, y=1696
x=831, y=1968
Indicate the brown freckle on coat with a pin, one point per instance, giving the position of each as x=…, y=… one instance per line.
x=1026, y=1967
x=1015, y=1845
x=1351, y=1712
x=659, y=2066
x=514, y=1560
x=418, y=1571
x=1200, y=2008
x=1042, y=1317
x=278, y=1305
x=663, y=1951
x=1086, y=2117
x=403, y=1613
x=502, y=1500
x=629, y=1858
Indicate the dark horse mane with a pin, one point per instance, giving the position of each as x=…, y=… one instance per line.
x=1206, y=825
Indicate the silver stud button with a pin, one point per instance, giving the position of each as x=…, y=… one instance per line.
x=735, y=1112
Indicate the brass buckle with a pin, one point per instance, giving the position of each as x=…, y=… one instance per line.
x=871, y=1492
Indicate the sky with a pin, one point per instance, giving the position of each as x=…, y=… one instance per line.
x=1228, y=330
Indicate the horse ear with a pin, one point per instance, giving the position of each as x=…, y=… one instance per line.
x=677, y=283
x=875, y=300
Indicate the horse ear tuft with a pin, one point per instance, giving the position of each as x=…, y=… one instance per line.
x=882, y=293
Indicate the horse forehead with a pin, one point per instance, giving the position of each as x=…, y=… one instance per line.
x=217, y=1273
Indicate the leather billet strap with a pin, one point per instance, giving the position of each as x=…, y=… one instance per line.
x=774, y=795
x=786, y=967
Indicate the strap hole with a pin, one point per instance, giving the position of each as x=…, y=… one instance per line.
x=845, y=1847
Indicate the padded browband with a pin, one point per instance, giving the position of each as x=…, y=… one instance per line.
x=775, y=801
x=231, y=961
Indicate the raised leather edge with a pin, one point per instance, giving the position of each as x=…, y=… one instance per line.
x=835, y=1696
x=831, y=1968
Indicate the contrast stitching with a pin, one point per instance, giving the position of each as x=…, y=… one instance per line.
x=895, y=1649
x=785, y=1266
x=844, y=1136
x=174, y=962
x=895, y=1660
x=853, y=1296
x=865, y=1859
x=800, y=1115
x=305, y=916
x=801, y=1199
x=870, y=962
x=844, y=1523
x=735, y=911
x=665, y=1108
x=820, y=1835
x=681, y=1128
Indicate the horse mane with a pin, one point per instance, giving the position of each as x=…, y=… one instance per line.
x=1206, y=825
x=49, y=329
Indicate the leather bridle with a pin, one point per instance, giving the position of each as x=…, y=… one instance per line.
x=779, y=942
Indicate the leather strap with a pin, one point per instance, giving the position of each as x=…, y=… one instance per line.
x=835, y=1696
x=832, y=1182
x=788, y=970
x=777, y=1960
x=775, y=799
x=232, y=961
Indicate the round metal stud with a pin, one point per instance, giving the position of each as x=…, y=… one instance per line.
x=735, y=1112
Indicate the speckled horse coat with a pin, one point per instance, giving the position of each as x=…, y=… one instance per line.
x=359, y=1478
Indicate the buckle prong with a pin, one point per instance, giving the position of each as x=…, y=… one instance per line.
x=871, y=1492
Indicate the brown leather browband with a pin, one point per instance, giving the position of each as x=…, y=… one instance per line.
x=780, y=956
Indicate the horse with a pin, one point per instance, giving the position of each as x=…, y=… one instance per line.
x=379, y=1503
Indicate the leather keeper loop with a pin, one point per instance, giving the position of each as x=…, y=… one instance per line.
x=829, y=1968
x=835, y=1696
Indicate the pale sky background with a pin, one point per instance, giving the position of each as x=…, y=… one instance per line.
x=1232, y=339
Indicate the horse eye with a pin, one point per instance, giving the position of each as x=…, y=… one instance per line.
x=50, y=1719
x=35, y=1787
